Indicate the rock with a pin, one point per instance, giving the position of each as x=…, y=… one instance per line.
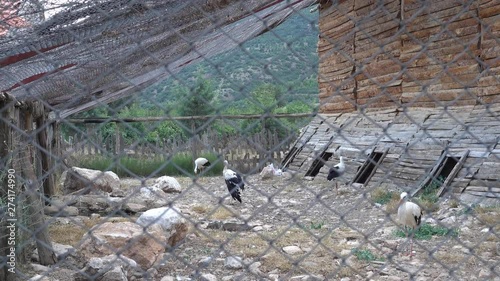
x=267, y=172
x=60, y=211
x=86, y=181
x=169, y=219
x=150, y=196
x=258, y=228
x=134, y=208
x=229, y=226
x=117, y=193
x=208, y=277
x=168, y=184
x=39, y=277
x=115, y=274
x=95, y=216
x=484, y=274
x=61, y=251
x=89, y=204
x=449, y=221
x=233, y=262
x=130, y=238
x=99, y=266
x=167, y=278
x=274, y=276
x=292, y=250
x=308, y=278
x=205, y=262
x=254, y=268
x=39, y=268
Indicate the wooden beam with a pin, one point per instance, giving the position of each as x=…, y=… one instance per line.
x=453, y=173
x=5, y=164
x=45, y=151
x=201, y=117
x=32, y=186
x=431, y=174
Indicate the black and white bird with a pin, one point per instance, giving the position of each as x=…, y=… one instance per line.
x=234, y=182
x=200, y=164
x=410, y=216
x=336, y=172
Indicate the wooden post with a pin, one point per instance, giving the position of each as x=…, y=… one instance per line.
x=32, y=187
x=117, y=139
x=5, y=164
x=49, y=182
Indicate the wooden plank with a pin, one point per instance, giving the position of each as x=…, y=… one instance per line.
x=484, y=189
x=484, y=194
x=453, y=173
x=431, y=174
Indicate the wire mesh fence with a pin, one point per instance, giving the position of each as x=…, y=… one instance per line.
x=361, y=140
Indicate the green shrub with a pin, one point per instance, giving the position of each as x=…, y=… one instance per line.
x=426, y=231
x=382, y=196
x=180, y=164
x=365, y=255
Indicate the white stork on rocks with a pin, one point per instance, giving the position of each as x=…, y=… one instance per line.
x=234, y=182
x=200, y=164
x=336, y=172
x=410, y=215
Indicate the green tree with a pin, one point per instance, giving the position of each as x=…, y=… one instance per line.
x=196, y=101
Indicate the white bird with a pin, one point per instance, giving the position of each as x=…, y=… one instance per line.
x=410, y=215
x=200, y=164
x=336, y=172
x=234, y=182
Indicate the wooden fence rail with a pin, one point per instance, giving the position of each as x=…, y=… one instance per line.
x=245, y=153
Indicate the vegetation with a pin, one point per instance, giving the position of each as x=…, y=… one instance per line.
x=274, y=73
x=383, y=196
x=428, y=199
x=426, y=231
x=179, y=164
x=365, y=255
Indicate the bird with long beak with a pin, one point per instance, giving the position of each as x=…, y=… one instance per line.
x=410, y=216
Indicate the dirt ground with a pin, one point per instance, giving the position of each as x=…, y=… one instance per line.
x=340, y=234
x=295, y=229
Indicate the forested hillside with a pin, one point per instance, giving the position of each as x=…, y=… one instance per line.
x=285, y=56
x=275, y=73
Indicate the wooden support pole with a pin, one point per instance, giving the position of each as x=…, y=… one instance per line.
x=5, y=164
x=32, y=187
x=45, y=151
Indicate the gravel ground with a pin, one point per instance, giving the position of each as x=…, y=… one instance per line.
x=295, y=229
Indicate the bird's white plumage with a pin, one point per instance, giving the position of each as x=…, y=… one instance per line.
x=233, y=181
x=200, y=164
x=336, y=172
x=409, y=215
x=340, y=166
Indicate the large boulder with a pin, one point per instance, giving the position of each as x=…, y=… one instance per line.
x=130, y=239
x=169, y=219
x=86, y=181
x=168, y=184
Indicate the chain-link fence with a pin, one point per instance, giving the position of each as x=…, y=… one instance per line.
x=361, y=140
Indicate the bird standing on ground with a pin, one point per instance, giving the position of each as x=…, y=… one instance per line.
x=410, y=215
x=336, y=172
x=200, y=164
x=234, y=182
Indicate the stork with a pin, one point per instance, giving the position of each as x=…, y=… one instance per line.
x=200, y=164
x=336, y=172
x=234, y=182
x=410, y=216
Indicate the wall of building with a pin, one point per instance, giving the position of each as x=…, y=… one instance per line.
x=376, y=54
